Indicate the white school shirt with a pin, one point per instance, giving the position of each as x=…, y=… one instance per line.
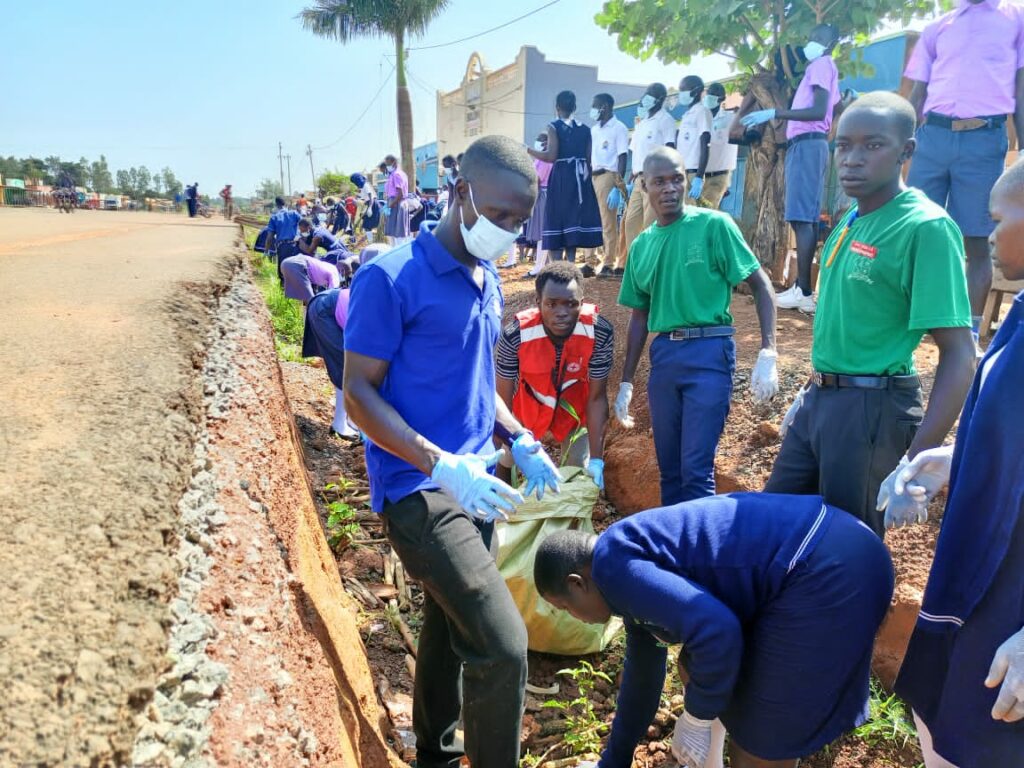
x=721, y=154
x=607, y=142
x=695, y=123
x=653, y=132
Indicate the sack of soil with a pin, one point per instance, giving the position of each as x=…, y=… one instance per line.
x=550, y=630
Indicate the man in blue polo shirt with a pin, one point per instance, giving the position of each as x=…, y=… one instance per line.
x=423, y=323
x=281, y=229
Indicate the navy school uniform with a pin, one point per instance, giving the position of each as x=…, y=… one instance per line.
x=776, y=600
x=974, y=600
x=336, y=250
x=571, y=217
x=323, y=337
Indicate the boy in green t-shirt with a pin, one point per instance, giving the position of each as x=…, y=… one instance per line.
x=678, y=282
x=891, y=272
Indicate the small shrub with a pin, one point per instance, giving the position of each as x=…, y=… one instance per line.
x=583, y=727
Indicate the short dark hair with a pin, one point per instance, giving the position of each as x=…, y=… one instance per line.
x=1012, y=180
x=559, y=555
x=447, y=159
x=330, y=201
x=561, y=272
x=657, y=90
x=697, y=80
x=662, y=154
x=717, y=89
x=898, y=110
x=497, y=153
x=566, y=101
x=607, y=99
x=307, y=221
x=279, y=202
x=829, y=29
x=390, y=157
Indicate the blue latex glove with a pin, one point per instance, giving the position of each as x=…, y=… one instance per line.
x=538, y=468
x=595, y=468
x=756, y=118
x=466, y=479
x=696, y=187
x=385, y=211
x=614, y=199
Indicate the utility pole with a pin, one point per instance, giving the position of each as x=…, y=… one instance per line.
x=309, y=151
x=280, y=165
x=288, y=158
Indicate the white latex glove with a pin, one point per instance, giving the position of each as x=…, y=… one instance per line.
x=691, y=741
x=466, y=479
x=900, y=509
x=927, y=474
x=787, y=420
x=1008, y=669
x=764, y=382
x=622, y=401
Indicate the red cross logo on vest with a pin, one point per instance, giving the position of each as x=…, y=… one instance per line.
x=549, y=398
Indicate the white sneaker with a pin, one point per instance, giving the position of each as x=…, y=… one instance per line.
x=794, y=298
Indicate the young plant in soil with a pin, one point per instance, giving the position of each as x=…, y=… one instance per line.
x=342, y=528
x=584, y=728
x=887, y=721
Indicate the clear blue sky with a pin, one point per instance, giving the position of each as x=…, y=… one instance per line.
x=210, y=87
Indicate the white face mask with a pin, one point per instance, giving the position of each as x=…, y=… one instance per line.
x=595, y=113
x=686, y=99
x=486, y=240
x=648, y=101
x=643, y=112
x=539, y=146
x=813, y=51
x=711, y=102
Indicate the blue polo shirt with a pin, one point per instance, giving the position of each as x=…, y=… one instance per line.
x=284, y=224
x=418, y=308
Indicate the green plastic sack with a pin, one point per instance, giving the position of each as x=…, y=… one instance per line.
x=550, y=630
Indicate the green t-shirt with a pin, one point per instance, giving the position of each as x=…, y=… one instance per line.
x=683, y=274
x=897, y=274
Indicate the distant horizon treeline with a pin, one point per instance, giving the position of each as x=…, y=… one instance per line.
x=136, y=183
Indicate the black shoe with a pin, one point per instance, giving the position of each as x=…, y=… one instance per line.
x=605, y=272
x=618, y=272
x=587, y=270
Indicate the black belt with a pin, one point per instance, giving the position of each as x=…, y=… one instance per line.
x=841, y=381
x=708, y=174
x=703, y=332
x=959, y=124
x=807, y=137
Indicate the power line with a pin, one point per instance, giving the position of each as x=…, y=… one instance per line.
x=486, y=31
x=361, y=114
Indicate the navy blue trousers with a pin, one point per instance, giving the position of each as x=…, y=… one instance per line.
x=689, y=391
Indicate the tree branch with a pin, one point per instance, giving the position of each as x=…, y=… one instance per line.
x=753, y=30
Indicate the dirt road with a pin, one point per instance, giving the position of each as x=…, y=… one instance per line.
x=104, y=316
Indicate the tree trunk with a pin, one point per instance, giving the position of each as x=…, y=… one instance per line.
x=404, y=113
x=763, y=222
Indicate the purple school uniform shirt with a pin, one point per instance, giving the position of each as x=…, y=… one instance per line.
x=822, y=73
x=322, y=273
x=969, y=58
x=397, y=185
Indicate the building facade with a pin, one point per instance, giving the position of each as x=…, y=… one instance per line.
x=517, y=100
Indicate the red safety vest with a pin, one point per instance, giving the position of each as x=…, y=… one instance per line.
x=550, y=400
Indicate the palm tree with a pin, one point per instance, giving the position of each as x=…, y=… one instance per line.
x=345, y=20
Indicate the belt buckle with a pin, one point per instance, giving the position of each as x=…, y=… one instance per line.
x=818, y=379
x=968, y=124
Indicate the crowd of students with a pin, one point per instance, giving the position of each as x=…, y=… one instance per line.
x=776, y=596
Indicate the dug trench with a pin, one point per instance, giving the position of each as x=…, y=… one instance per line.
x=387, y=619
x=265, y=665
